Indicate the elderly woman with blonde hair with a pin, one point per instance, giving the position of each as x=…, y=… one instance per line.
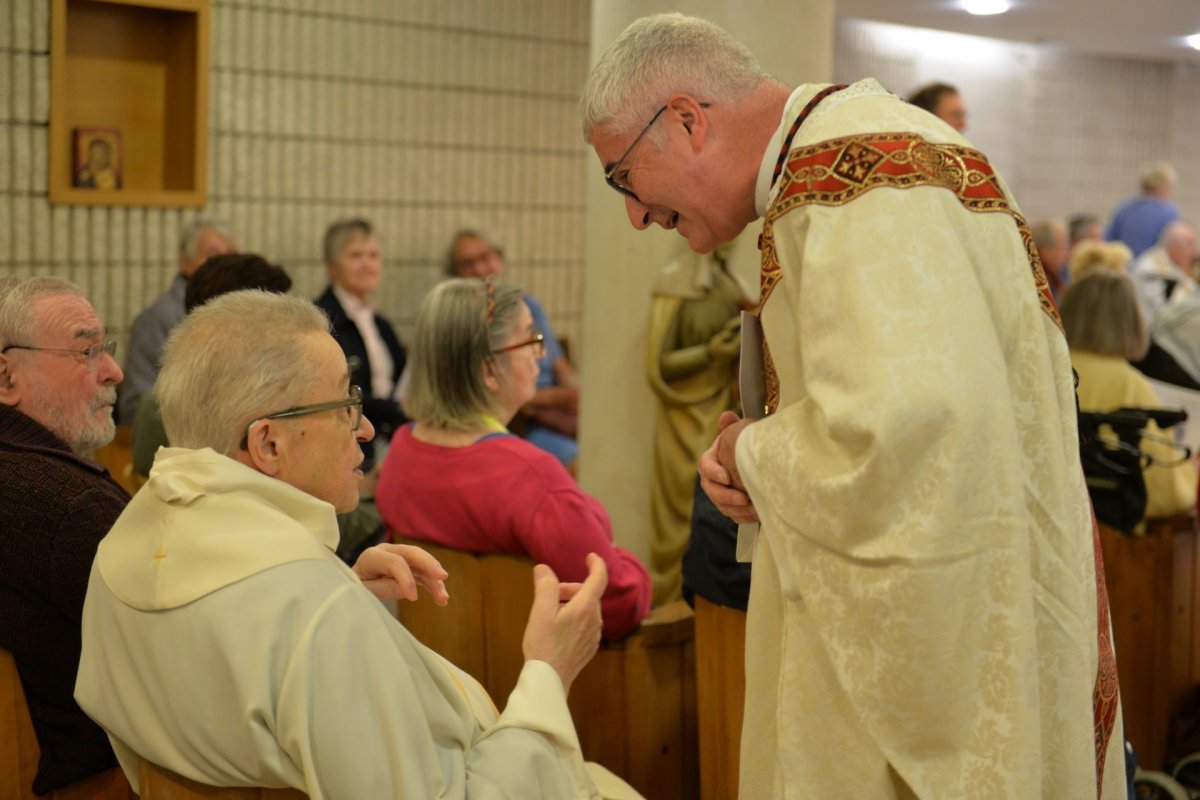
x=457, y=478
x=1105, y=327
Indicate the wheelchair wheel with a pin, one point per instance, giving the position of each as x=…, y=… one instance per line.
x=1152, y=785
x=1187, y=772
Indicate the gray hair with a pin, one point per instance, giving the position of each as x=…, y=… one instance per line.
x=340, y=233
x=17, y=295
x=1157, y=175
x=1043, y=231
x=1078, y=225
x=453, y=343
x=233, y=359
x=190, y=236
x=657, y=56
x=449, y=266
x=1176, y=232
x=1101, y=314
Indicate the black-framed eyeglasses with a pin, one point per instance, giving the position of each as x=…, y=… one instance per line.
x=537, y=342
x=610, y=173
x=353, y=402
x=90, y=354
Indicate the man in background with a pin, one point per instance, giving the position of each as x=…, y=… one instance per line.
x=1050, y=238
x=1139, y=222
x=58, y=384
x=944, y=102
x=1084, y=227
x=1164, y=274
x=202, y=238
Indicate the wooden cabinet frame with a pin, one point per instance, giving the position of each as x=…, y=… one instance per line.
x=140, y=66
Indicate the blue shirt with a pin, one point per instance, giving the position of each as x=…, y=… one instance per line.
x=1139, y=222
x=554, y=349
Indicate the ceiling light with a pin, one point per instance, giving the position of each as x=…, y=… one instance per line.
x=985, y=7
x=1194, y=41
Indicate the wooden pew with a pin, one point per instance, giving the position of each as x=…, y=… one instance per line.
x=161, y=784
x=634, y=705
x=721, y=690
x=1154, y=598
x=19, y=751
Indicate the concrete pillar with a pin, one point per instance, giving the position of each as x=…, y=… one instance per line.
x=793, y=39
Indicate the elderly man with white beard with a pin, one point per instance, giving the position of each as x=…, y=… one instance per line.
x=58, y=384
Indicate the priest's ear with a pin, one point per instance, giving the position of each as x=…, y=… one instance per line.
x=261, y=448
x=692, y=115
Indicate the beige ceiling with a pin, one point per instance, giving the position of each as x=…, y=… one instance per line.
x=1147, y=29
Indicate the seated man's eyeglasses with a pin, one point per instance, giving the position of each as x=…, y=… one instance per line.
x=467, y=262
x=89, y=354
x=610, y=174
x=354, y=402
x=537, y=342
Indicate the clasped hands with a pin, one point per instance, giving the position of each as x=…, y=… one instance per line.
x=719, y=476
x=564, y=623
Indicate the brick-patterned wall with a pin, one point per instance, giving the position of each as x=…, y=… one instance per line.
x=1068, y=131
x=423, y=116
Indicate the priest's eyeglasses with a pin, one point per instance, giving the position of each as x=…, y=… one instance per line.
x=610, y=174
x=354, y=402
x=89, y=354
x=537, y=342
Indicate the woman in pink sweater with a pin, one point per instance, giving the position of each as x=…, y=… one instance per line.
x=457, y=478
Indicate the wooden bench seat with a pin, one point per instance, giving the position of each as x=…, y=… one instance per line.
x=634, y=705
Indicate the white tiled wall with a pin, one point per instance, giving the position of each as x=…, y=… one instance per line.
x=423, y=116
x=1068, y=131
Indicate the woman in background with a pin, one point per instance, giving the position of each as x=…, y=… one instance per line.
x=457, y=478
x=376, y=357
x=1104, y=327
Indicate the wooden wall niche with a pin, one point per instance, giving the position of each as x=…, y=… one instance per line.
x=140, y=66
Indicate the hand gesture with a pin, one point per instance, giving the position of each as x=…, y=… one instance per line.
x=564, y=623
x=719, y=477
x=394, y=571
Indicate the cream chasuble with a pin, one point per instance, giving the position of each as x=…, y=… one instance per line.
x=923, y=617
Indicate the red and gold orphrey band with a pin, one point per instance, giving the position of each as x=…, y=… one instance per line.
x=835, y=172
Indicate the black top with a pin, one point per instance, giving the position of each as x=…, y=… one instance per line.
x=54, y=509
x=1159, y=365
x=384, y=412
x=710, y=565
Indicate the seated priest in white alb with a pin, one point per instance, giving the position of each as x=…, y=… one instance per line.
x=224, y=640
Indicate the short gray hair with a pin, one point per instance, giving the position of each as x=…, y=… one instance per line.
x=454, y=340
x=189, y=237
x=1101, y=314
x=233, y=359
x=340, y=233
x=1156, y=175
x=1176, y=232
x=656, y=56
x=1043, y=231
x=17, y=294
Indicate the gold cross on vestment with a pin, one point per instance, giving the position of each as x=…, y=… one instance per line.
x=160, y=555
